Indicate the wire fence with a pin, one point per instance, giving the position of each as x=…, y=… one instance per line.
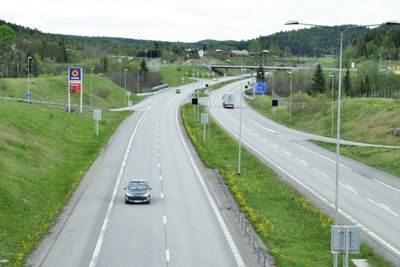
x=259, y=250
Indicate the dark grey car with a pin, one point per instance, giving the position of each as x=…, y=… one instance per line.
x=137, y=191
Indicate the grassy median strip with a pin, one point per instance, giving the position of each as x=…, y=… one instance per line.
x=296, y=233
x=44, y=153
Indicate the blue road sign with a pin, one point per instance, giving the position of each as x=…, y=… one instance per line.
x=28, y=95
x=74, y=74
x=260, y=88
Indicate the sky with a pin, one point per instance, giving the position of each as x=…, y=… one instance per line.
x=190, y=21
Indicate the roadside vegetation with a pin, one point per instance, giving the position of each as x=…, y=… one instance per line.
x=296, y=233
x=367, y=120
x=44, y=153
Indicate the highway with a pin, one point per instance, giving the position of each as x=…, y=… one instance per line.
x=367, y=197
x=181, y=227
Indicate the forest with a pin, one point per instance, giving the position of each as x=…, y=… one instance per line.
x=50, y=54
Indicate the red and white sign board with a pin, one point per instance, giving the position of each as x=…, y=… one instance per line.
x=75, y=88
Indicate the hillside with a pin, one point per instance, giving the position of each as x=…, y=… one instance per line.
x=105, y=94
x=44, y=152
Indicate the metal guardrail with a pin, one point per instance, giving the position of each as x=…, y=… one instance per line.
x=245, y=225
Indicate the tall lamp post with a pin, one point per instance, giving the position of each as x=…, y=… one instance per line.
x=332, y=77
x=240, y=117
x=91, y=87
x=29, y=59
x=290, y=97
x=341, y=32
x=126, y=101
x=138, y=79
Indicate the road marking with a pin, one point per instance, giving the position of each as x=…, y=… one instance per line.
x=159, y=165
x=265, y=140
x=158, y=154
x=302, y=161
x=388, y=186
x=320, y=172
x=160, y=178
x=161, y=195
x=383, y=207
x=267, y=129
x=348, y=187
x=225, y=230
x=372, y=234
x=100, y=240
x=284, y=138
x=274, y=146
x=286, y=152
x=165, y=219
x=167, y=255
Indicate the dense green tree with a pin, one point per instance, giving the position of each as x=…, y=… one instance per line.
x=361, y=88
x=260, y=74
x=255, y=45
x=347, y=83
x=367, y=86
x=318, y=81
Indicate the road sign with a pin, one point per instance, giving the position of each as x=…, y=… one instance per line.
x=75, y=74
x=28, y=95
x=128, y=93
x=204, y=118
x=274, y=102
x=195, y=101
x=345, y=238
x=260, y=88
x=97, y=114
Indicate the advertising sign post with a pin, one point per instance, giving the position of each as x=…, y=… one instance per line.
x=75, y=85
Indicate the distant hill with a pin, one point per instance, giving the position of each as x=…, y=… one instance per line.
x=317, y=41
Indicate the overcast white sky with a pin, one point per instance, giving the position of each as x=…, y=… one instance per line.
x=189, y=21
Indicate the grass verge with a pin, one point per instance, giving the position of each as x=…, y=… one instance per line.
x=44, y=153
x=296, y=233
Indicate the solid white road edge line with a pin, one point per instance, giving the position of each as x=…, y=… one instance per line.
x=217, y=213
x=100, y=240
x=365, y=229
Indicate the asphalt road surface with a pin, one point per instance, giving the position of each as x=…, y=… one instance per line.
x=181, y=227
x=367, y=197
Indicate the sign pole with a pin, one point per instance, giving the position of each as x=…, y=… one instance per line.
x=69, y=99
x=81, y=100
x=97, y=127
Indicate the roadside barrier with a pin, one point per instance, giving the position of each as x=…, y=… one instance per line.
x=259, y=250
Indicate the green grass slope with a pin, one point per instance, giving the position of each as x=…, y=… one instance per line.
x=369, y=120
x=105, y=93
x=44, y=152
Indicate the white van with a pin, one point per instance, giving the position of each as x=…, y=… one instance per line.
x=228, y=100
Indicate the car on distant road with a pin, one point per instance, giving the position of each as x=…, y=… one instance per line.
x=178, y=91
x=137, y=191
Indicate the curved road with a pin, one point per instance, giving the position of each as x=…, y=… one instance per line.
x=367, y=197
x=181, y=227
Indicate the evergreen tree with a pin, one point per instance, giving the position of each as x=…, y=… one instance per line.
x=318, y=81
x=367, y=86
x=260, y=74
x=347, y=83
x=361, y=89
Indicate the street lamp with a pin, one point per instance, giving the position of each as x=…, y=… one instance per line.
x=138, y=79
x=332, y=77
x=91, y=86
x=341, y=32
x=125, y=87
x=29, y=59
x=240, y=116
x=290, y=98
